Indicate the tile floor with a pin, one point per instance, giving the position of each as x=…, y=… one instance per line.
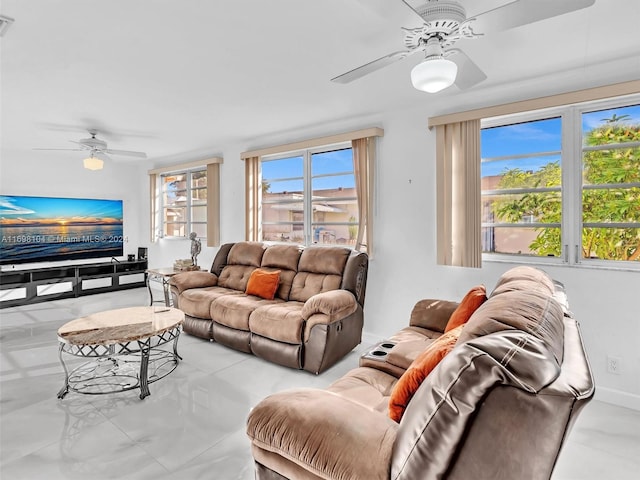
x=192, y=425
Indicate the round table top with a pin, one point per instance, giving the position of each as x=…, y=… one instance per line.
x=121, y=325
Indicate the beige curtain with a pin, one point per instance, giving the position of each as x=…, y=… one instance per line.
x=253, y=187
x=363, y=167
x=213, y=205
x=153, y=207
x=458, y=194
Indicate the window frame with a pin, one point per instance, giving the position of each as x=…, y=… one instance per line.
x=307, y=195
x=571, y=154
x=189, y=222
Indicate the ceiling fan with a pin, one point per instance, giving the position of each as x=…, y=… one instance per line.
x=444, y=23
x=96, y=147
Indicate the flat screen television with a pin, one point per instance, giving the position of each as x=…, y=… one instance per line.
x=49, y=229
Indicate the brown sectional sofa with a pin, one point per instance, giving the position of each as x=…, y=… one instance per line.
x=315, y=318
x=498, y=406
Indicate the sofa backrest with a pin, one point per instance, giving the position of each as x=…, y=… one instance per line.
x=523, y=299
x=284, y=258
x=243, y=258
x=501, y=403
x=354, y=277
x=304, y=272
x=320, y=270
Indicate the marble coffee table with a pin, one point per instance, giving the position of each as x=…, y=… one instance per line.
x=124, y=349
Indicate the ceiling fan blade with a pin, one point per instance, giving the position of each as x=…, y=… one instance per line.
x=375, y=65
x=82, y=145
x=63, y=149
x=417, y=3
x=102, y=156
x=469, y=74
x=128, y=153
x=523, y=12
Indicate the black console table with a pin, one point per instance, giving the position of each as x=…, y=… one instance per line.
x=22, y=287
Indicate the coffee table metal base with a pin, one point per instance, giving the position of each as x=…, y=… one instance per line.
x=120, y=366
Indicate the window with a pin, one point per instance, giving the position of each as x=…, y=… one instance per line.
x=184, y=203
x=309, y=197
x=521, y=187
x=563, y=183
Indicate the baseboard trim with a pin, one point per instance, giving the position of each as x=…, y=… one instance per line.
x=617, y=397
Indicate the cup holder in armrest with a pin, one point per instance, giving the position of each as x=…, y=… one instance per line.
x=379, y=351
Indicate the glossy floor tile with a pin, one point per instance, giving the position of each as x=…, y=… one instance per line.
x=192, y=424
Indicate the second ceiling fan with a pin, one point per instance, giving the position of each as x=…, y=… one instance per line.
x=96, y=148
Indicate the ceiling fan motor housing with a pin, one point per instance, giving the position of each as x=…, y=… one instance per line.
x=444, y=16
x=444, y=20
x=93, y=143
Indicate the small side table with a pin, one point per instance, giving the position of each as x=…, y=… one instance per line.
x=161, y=275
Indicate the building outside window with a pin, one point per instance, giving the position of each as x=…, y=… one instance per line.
x=309, y=197
x=184, y=203
x=563, y=184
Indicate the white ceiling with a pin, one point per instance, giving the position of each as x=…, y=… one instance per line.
x=178, y=79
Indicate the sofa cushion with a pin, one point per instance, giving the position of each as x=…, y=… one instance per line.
x=409, y=334
x=306, y=285
x=410, y=381
x=243, y=259
x=469, y=304
x=524, y=278
x=365, y=386
x=432, y=314
x=235, y=277
x=196, y=302
x=284, y=258
x=335, y=304
x=306, y=427
x=527, y=310
x=523, y=299
x=263, y=283
x=404, y=353
x=281, y=321
x=246, y=253
x=234, y=310
x=195, y=279
x=328, y=260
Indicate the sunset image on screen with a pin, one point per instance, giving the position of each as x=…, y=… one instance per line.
x=34, y=229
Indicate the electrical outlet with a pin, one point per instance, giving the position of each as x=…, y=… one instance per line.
x=614, y=365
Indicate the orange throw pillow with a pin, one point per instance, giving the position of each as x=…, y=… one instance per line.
x=469, y=304
x=423, y=365
x=263, y=284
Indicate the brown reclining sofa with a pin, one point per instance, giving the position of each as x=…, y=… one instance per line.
x=499, y=405
x=315, y=318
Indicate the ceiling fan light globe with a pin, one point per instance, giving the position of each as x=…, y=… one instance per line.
x=93, y=163
x=433, y=75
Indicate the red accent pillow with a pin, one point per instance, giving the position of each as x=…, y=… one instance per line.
x=263, y=283
x=408, y=384
x=469, y=304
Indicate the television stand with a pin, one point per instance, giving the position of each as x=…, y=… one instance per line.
x=24, y=287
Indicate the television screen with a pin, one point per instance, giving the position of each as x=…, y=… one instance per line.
x=44, y=229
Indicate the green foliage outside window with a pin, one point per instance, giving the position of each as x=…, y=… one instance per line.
x=619, y=204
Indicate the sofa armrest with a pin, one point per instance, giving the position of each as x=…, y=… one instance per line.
x=195, y=279
x=324, y=433
x=432, y=314
x=334, y=305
